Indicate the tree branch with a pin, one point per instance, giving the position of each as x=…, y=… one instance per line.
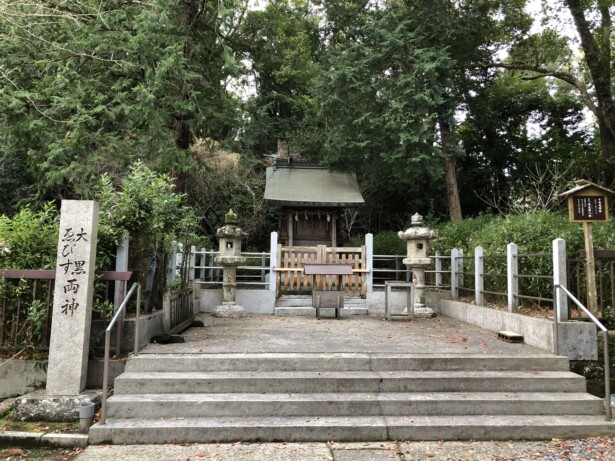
x=544, y=72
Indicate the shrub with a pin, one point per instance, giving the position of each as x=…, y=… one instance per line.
x=146, y=207
x=458, y=234
x=29, y=239
x=389, y=243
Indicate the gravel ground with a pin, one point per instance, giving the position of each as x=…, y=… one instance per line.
x=586, y=449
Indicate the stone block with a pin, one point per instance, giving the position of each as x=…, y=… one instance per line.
x=151, y=325
x=95, y=372
x=19, y=439
x=39, y=406
x=578, y=340
x=19, y=377
x=253, y=301
x=64, y=440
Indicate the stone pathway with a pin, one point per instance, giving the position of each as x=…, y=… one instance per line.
x=602, y=448
x=264, y=333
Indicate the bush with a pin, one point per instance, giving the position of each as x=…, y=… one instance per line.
x=146, y=207
x=532, y=232
x=458, y=234
x=389, y=243
x=29, y=239
x=385, y=243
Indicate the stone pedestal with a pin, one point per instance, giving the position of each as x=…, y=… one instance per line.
x=229, y=308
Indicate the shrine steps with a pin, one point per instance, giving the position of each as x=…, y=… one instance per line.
x=183, y=398
x=301, y=305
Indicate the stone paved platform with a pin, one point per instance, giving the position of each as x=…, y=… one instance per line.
x=268, y=334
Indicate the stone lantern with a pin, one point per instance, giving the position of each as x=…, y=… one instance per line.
x=418, y=260
x=229, y=258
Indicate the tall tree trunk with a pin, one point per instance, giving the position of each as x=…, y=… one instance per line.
x=450, y=170
x=597, y=46
x=606, y=126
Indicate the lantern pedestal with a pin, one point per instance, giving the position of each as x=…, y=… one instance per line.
x=228, y=311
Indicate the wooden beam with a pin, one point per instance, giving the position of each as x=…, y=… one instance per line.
x=334, y=229
x=290, y=228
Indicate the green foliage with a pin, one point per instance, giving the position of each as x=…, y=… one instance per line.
x=282, y=44
x=91, y=87
x=24, y=316
x=389, y=243
x=594, y=370
x=459, y=234
x=532, y=232
x=497, y=139
x=29, y=239
x=385, y=243
x=217, y=186
x=144, y=204
x=16, y=182
x=146, y=207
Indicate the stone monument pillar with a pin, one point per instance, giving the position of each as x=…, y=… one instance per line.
x=229, y=258
x=72, y=299
x=418, y=260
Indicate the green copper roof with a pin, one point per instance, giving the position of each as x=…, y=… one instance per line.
x=312, y=187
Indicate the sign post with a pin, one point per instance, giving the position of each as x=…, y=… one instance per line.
x=72, y=300
x=588, y=203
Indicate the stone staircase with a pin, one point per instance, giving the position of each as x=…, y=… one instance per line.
x=302, y=305
x=293, y=397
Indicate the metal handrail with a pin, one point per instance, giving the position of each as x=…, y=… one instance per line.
x=120, y=311
x=605, y=333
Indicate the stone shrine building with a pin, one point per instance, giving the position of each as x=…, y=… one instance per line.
x=311, y=199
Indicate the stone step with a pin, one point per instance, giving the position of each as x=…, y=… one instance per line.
x=325, y=312
x=306, y=300
x=348, y=381
x=349, y=429
x=294, y=302
x=344, y=362
x=353, y=404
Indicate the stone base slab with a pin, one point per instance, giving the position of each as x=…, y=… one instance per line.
x=40, y=406
x=229, y=310
x=424, y=313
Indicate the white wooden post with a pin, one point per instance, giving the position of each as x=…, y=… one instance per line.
x=559, y=278
x=263, y=262
x=512, y=271
x=121, y=265
x=369, y=262
x=478, y=275
x=210, y=263
x=203, y=264
x=438, y=270
x=273, y=260
x=192, y=262
x=454, y=281
x=460, y=277
x=172, y=268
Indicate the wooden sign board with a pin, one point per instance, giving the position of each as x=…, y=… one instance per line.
x=588, y=208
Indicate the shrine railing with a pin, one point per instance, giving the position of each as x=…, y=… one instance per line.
x=292, y=280
x=26, y=305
